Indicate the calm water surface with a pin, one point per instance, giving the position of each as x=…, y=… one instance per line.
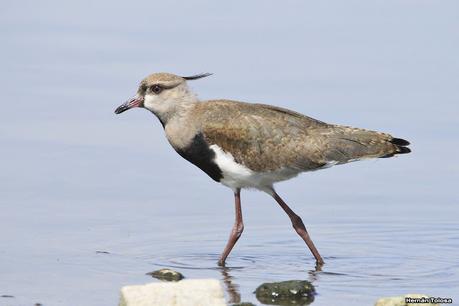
x=91, y=201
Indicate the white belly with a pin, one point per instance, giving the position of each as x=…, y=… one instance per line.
x=237, y=176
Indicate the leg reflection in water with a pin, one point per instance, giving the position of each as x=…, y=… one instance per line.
x=231, y=288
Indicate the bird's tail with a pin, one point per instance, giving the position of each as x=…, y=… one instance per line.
x=348, y=144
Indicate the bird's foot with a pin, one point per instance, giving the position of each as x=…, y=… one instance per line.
x=319, y=264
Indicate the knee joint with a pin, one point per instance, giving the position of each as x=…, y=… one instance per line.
x=297, y=222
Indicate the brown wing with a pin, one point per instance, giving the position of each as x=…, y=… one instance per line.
x=261, y=137
x=266, y=138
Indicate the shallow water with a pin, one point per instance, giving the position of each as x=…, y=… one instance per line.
x=91, y=201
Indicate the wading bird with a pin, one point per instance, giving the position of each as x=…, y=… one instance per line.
x=245, y=145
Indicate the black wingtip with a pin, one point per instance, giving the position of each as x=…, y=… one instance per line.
x=400, y=142
x=400, y=147
x=197, y=76
x=403, y=150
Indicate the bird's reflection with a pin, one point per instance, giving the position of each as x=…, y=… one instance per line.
x=313, y=275
x=231, y=288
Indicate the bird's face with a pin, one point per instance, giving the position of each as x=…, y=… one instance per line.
x=162, y=94
x=155, y=93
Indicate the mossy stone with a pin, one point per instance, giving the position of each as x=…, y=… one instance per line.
x=166, y=275
x=293, y=292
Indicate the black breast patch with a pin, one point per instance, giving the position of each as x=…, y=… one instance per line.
x=199, y=153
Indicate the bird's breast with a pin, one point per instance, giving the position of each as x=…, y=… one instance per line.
x=199, y=153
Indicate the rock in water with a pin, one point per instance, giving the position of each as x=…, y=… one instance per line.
x=293, y=292
x=406, y=300
x=190, y=292
x=166, y=275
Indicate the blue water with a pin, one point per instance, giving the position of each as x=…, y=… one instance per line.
x=77, y=181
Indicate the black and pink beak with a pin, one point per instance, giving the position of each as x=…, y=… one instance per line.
x=134, y=102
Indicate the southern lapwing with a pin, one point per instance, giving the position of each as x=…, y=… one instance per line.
x=245, y=145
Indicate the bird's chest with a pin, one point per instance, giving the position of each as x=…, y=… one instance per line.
x=198, y=152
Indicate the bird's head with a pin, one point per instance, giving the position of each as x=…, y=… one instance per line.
x=162, y=94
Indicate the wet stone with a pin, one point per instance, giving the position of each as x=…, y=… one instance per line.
x=293, y=292
x=166, y=275
x=409, y=300
x=190, y=292
x=243, y=304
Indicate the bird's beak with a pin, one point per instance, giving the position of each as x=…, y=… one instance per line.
x=134, y=102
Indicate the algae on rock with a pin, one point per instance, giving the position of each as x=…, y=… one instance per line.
x=166, y=275
x=293, y=292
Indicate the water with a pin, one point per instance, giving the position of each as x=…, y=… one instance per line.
x=78, y=181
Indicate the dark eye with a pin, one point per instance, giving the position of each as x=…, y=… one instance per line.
x=156, y=89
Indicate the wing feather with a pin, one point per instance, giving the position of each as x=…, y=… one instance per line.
x=261, y=137
x=267, y=138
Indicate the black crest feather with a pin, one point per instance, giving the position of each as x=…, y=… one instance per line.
x=197, y=76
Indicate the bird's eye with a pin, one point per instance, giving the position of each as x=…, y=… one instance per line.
x=156, y=89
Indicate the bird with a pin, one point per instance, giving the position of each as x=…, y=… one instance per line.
x=251, y=145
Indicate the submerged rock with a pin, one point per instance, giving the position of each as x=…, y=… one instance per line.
x=293, y=292
x=166, y=275
x=190, y=292
x=407, y=300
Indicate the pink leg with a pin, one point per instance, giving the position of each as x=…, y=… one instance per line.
x=236, y=231
x=299, y=227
